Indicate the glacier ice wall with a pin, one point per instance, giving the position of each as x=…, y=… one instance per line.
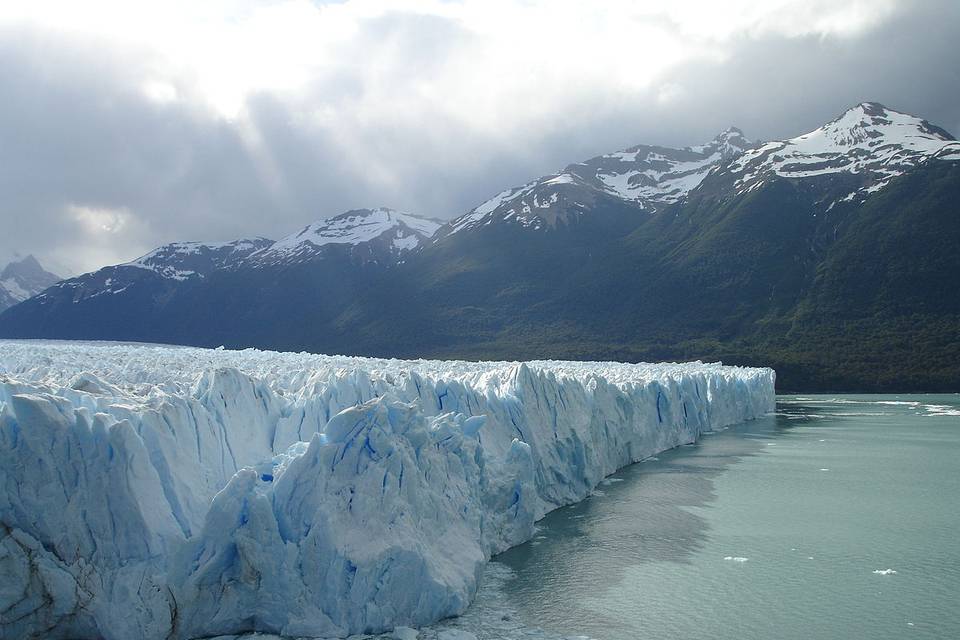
x=166, y=492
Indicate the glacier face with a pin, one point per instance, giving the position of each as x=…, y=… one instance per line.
x=167, y=492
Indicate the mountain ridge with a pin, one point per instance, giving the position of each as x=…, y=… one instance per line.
x=742, y=267
x=647, y=177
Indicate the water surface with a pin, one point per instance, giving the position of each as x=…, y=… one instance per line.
x=837, y=517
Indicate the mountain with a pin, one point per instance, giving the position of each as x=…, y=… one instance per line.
x=371, y=235
x=835, y=292
x=22, y=278
x=152, y=276
x=864, y=149
x=187, y=260
x=643, y=176
x=227, y=292
x=830, y=256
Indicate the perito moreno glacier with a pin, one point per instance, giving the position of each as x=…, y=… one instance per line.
x=165, y=492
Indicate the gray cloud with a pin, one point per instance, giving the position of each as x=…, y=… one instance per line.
x=93, y=171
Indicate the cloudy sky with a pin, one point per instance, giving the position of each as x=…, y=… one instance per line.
x=125, y=125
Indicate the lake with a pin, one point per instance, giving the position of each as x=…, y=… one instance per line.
x=837, y=517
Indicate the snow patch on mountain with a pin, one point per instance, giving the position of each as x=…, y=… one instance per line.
x=648, y=177
x=13, y=288
x=165, y=492
x=382, y=234
x=185, y=260
x=654, y=176
x=483, y=213
x=399, y=233
x=870, y=141
x=360, y=226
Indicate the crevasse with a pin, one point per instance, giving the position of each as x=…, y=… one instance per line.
x=165, y=492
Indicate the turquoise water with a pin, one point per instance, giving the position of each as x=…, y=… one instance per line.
x=775, y=529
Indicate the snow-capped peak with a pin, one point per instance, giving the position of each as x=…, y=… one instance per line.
x=384, y=234
x=872, y=141
x=872, y=124
x=400, y=231
x=22, y=278
x=654, y=176
x=646, y=176
x=184, y=260
x=728, y=143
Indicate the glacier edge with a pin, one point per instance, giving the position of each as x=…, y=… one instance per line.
x=164, y=492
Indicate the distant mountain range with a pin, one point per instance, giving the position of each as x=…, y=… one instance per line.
x=21, y=278
x=832, y=256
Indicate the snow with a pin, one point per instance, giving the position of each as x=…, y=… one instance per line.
x=872, y=142
x=546, y=204
x=174, y=492
x=187, y=260
x=869, y=139
x=352, y=228
x=168, y=261
x=643, y=175
x=563, y=178
x=624, y=156
x=663, y=176
x=666, y=185
x=22, y=278
x=482, y=213
x=950, y=152
x=14, y=289
x=405, y=243
x=661, y=179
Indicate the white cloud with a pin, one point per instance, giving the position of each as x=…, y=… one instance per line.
x=99, y=220
x=514, y=56
x=223, y=118
x=160, y=91
x=101, y=235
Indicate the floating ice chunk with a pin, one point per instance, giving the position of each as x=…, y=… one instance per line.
x=736, y=558
x=941, y=410
x=608, y=481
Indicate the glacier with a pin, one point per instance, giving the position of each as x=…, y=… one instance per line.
x=173, y=492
